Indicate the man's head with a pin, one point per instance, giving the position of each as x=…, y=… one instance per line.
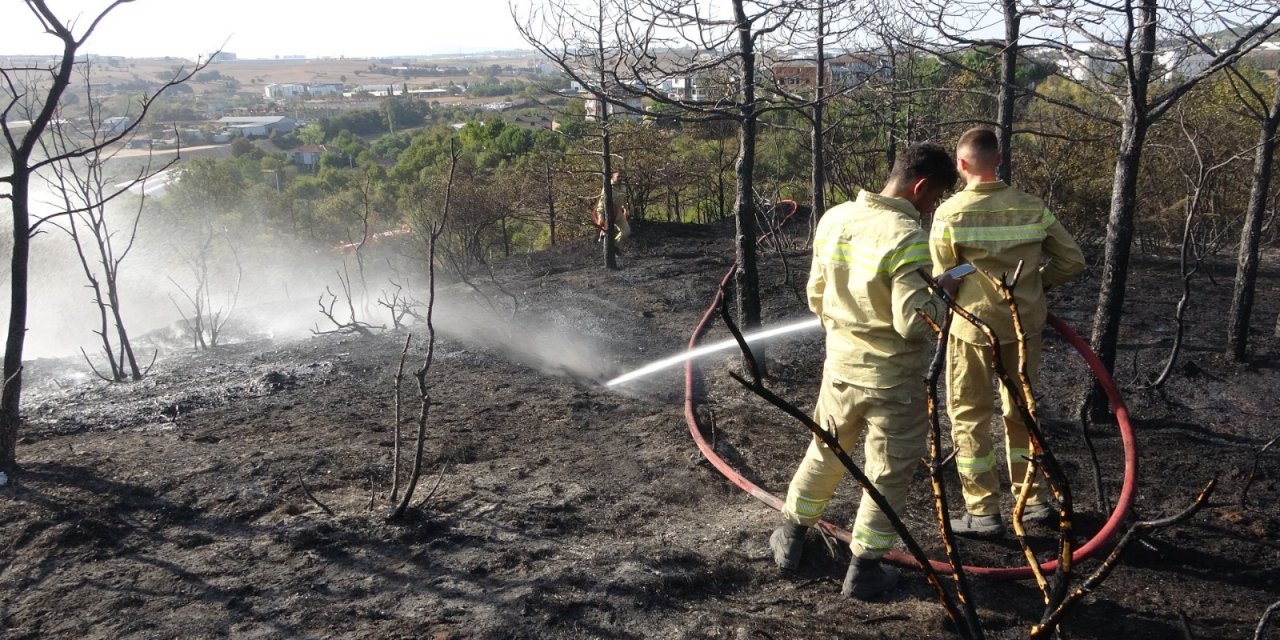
x=921, y=175
x=978, y=154
x=618, y=177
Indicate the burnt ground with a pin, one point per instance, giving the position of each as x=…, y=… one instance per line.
x=175, y=507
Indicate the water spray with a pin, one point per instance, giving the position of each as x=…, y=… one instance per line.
x=957, y=272
x=758, y=336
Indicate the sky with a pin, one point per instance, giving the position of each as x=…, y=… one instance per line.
x=269, y=28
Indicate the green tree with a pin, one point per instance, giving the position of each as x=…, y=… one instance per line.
x=241, y=146
x=311, y=134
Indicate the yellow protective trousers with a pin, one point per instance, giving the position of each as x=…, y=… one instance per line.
x=971, y=405
x=895, y=421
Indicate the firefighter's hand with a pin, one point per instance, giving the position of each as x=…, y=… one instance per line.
x=949, y=284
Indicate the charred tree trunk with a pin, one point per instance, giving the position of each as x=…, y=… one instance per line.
x=20, y=151
x=20, y=192
x=606, y=159
x=1119, y=240
x=606, y=167
x=818, y=156
x=11, y=395
x=747, y=281
x=126, y=346
x=1117, y=247
x=551, y=203
x=1007, y=95
x=104, y=332
x=1250, y=236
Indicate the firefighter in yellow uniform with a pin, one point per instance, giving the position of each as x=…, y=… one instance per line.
x=994, y=226
x=621, y=214
x=864, y=286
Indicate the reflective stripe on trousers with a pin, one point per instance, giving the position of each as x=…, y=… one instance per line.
x=895, y=422
x=971, y=405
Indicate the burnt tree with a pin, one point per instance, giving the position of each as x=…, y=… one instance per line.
x=1114, y=48
x=1251, y=232
x=32, y=95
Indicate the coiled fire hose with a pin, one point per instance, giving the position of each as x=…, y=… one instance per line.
x=1100, y=539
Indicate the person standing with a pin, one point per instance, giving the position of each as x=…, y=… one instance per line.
x=621, y=215
x=994, y=227
x=864, y=286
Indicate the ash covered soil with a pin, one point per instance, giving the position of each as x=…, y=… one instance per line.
x=552, y=507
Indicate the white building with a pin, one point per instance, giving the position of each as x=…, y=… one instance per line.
x=633, y=109
x=1181, y=63
x=376, y=90
x=1085, y=67
x=308, y=155
x=283, y=91
x=116, y=124
x=333, y=89
x=258, y=126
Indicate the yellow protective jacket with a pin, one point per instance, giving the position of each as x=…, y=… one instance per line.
x=864, y=287
x=993, y=225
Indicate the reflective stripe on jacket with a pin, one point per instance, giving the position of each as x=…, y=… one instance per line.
x=620, y=212
x=993, y=225
x=864, y=287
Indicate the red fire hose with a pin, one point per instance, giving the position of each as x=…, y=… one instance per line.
x=1100, y=539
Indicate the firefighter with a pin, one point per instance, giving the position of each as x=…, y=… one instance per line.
x=864, y=286
x=994, y=226
x=621, y=215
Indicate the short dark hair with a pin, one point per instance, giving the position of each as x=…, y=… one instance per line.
x=925, y=160
x=983, y=141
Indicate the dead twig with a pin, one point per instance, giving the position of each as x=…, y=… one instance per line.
x=399, y=304
x=828, y=437
x=1135, y=532
x=1244, y=492
x=421, y=374
x=351, y=324
x=1019, y=392
x=395, y=429
x=314, y=499
x=93, y=368
x=1086, y=422
x=432, y=492
x=747, y=356
x=1186, y=626
x=935, y=465
x=1006, y=285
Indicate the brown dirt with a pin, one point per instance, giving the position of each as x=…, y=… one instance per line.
x=174, y=507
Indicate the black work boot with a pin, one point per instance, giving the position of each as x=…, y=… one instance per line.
x=787, y=543
x=971, y=526
x=1039, y=514
x=868, y=579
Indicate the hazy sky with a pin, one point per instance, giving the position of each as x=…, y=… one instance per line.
x=266, y=28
